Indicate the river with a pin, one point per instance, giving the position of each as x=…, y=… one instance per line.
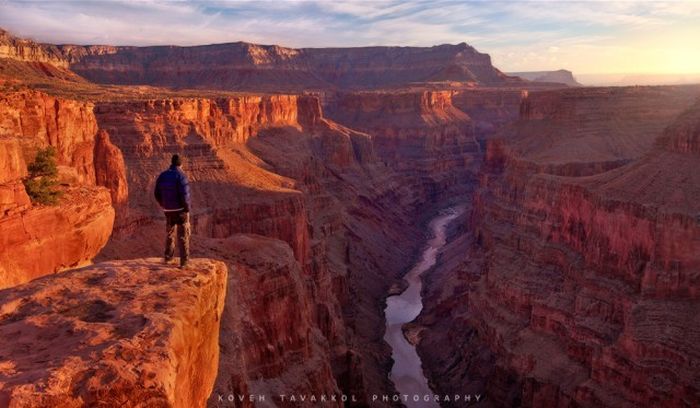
x=407, y=372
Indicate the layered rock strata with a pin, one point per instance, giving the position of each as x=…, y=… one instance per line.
x=576, y=290
x=72, y=232
x=421, y=136
x=262, y=67
x=272, y=165
x=246, y=66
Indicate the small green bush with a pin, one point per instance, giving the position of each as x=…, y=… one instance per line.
x=42, y=183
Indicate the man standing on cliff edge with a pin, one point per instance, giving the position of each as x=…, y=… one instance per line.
x=173, y=194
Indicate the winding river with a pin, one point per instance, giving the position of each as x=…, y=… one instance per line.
x=407, y=372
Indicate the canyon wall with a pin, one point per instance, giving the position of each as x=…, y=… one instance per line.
x=136, y=332
x=420, y=135
x=22, y=59
x=272, y=165
x=489, y=108
x=75, y=230
x=579, y=132
x=29, y=51
x=276, y=166
x=576, y=289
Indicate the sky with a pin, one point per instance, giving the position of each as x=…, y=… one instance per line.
x=587, y=37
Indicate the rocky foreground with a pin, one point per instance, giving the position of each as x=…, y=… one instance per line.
x=112, y=334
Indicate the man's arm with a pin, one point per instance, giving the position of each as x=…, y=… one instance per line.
x=156, y=192
x=185, y=193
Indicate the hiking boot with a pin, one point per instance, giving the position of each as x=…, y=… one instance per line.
x=183, y=264
x=167, y=260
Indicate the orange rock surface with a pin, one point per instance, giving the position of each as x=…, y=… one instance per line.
x=37, y=240
x=48, y=239
x=115, y=333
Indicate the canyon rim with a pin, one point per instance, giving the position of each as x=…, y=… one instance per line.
x=372, y=225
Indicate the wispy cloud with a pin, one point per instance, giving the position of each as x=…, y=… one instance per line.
x=589, y=36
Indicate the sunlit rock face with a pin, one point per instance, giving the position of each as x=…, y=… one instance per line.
x=113, y=333
x=36, y=239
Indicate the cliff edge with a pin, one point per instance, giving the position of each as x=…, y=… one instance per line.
x=112, y=333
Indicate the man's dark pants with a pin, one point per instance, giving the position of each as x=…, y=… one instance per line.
x=180, y=221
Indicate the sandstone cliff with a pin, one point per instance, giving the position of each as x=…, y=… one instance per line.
x=21, y=59
x=75, y=230
x=584, y=131
x=30, y=51
x=125, y=331
x=274, y=346
x=578, y=289
x=420, y=135
x=273, y=165
x=47, y=239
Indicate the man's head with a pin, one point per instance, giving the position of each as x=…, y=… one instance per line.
x=176, y=161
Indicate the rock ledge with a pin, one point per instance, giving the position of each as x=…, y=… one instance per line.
x=134, y=332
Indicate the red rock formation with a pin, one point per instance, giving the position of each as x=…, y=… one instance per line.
x=489, y=108
x=578, y=290
x=13, y=196
x=272, y=347
x=39, y=240
x=30, y=51
x=110, y=170
x=125, y=331
x=36, y=119
x=274, y=166
x=48, y=239
x=586, y=131
x=420, y=135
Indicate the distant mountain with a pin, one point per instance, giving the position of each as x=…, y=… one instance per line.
x=561, y=76
x=638, y=79
x=246, y=66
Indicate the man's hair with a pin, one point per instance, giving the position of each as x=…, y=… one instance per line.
x=175, y=161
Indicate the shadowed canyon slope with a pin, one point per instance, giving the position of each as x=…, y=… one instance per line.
x=573, y=284
x=571, y=279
